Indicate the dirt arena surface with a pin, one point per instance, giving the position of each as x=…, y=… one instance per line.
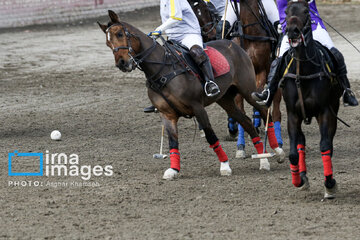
x=63, y=77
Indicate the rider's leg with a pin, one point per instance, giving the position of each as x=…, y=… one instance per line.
x=194, y=43
x=321, y=35
x=266, y=97
x=271, y=11
x=229, y=17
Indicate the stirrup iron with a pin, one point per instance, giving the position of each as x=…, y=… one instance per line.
x=215, y=86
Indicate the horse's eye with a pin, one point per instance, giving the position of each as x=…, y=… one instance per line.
x=119, y=34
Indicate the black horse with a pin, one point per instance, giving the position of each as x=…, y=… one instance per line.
x=310, y=90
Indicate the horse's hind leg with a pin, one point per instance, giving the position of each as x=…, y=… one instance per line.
x=271, y=132
x=203, y=119
x=227, y=103
x=172, y=132
x=327, y=124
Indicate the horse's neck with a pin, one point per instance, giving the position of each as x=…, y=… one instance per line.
x=307, y=50
x=249, y=14
x=157, y=54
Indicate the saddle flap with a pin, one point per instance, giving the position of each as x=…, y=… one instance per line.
x=218, y=62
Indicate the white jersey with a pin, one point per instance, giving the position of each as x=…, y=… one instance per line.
x=179, y=10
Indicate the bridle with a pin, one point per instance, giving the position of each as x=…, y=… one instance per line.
x=136, y=58
x=212, y=23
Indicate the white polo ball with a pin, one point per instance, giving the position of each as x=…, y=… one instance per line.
x=55, y=135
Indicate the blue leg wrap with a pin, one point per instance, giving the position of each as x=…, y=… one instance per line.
x=241, y=138
x=256, y=119
x=277, y=128
x=232, y=126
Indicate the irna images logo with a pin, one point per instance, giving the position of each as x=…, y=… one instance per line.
x=54, y=164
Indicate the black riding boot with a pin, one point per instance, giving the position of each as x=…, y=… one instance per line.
x=348, y=96
x=266, y=97
x=219, y=28
x=203, y=61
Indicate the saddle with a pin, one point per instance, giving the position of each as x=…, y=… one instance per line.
x=218, y=62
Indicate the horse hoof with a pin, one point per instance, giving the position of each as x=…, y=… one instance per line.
x=202, y=133
x=240, y=154
x=306, y=184
x=330, y=192
x=225, y=169
x=264, y=164
x=170, y=174
x=281, y=154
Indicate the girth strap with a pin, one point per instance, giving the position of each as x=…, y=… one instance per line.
x=158, y=84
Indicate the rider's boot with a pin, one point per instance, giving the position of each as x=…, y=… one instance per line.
x=150, y=109
x=202, y=60
x=219, y=28
x=266, y=97
x=348, y=96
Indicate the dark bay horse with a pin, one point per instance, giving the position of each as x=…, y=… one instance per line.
x=184, y=95
x=309, y=91
x=254, y=39
x=207, y=19
x=251, y=34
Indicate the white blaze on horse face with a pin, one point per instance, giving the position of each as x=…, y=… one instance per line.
x=108, y=39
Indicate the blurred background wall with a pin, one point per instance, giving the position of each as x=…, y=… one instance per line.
x=16, y=13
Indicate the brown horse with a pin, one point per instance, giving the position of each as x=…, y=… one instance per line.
x=254, y=39
x=207, y=19
x=250, y=34
x=183, y=94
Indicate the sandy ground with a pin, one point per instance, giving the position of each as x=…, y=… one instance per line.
x=63, y=77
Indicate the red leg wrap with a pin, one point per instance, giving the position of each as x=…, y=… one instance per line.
x=302, y=163
x=271, y=136
x=175, y=159
x=295, y=175
x=258, y=144
x=327, y=163
x=219, y=151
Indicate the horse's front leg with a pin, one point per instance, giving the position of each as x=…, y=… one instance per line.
x=295, y=134
x=203, y=119
x=327, y=124
x=170, y=124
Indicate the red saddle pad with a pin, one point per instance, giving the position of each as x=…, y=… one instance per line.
x=218, y=62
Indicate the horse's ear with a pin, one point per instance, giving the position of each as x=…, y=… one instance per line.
x=114, y=17
x=102, y=26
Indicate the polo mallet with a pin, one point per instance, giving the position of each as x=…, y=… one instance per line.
x=264, y=154
x=223, y=26
x=160, y=155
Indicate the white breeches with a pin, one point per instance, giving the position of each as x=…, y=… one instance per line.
x=190, y=40
x=269, y=5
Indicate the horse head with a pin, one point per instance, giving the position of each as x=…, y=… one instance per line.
x=207, y=19
x=122, y=42
x=298, y=22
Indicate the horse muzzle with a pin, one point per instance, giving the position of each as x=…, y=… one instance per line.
x=295, y=37
x=126, y=66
